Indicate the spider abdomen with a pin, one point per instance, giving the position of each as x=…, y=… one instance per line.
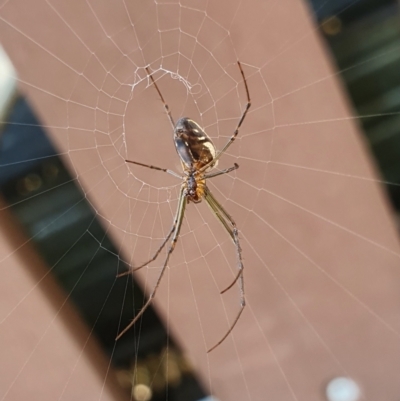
x=194, y=146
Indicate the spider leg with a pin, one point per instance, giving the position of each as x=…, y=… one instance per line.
x=230, y=226
x=162, y=99
x=154, y=256
x=233, y=137
x=227, y=170
x=180, y=212
x=165, y=170
x=173, y=226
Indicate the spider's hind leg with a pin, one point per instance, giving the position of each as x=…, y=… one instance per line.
x=166, y=107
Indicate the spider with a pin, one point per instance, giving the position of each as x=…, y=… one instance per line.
x=198, y=157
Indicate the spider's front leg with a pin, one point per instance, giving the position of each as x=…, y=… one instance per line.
x=180, y=212
x=230, y=225
x=173, y=226
x=155, y=256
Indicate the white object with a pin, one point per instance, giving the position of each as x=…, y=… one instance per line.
x=343, y=389
x=7, y=82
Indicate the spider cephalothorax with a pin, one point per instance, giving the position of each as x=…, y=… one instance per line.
x=198, y=156
x=194, y=185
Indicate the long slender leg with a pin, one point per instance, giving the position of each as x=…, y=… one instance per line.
x=154, y=257
x=227, y=170
x=227, y=220
x=179, y=219
x=162, y=99
x=165, y=170
x=173, y=226
x=229, y=225
x=212, y=202
x=233, y=137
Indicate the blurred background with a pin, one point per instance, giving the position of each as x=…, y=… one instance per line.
x=363, y=40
